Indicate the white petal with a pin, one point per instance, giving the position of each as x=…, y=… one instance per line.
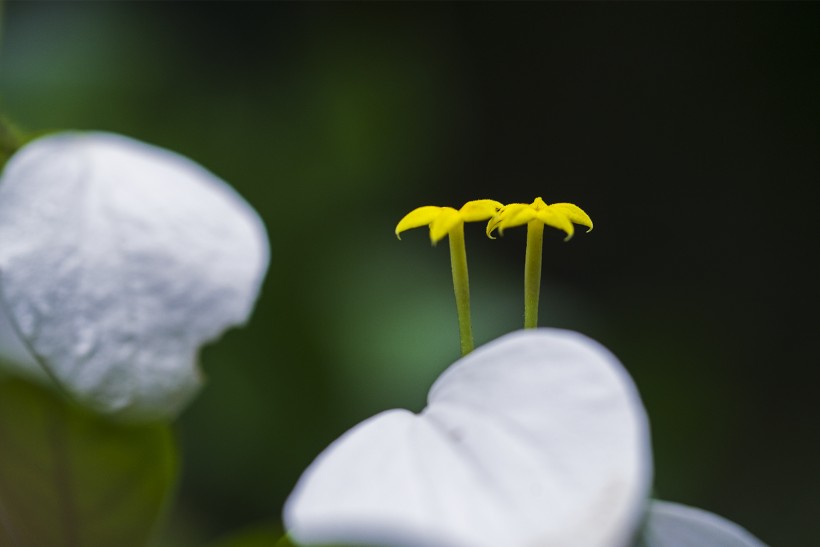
x=537, y=439
x=118, y=260
x=674, y=525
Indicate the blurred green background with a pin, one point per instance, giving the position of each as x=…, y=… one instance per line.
x=690, y=133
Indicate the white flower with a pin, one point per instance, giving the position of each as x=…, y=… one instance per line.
x=670, y=524
x=118, y=260
x=536, y=439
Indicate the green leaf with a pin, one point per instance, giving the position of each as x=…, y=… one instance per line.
x=10, y=140
x=674, y=525
x=266, y=535
x=69, y=478
x=261, y=535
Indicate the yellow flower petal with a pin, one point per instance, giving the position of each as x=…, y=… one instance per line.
x=557, y=215
x=480, y=209
x=447, y=219
x=514, y=214
x=538, y=204
x=557, y=219
x=421, y=216
x=574, y=213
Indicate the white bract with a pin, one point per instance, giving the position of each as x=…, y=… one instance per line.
x=118, y=260
x=674, y=525
x=536, y=439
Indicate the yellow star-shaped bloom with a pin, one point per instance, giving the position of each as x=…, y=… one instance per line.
x=557, y=215
x=443, y=220
x=446, y=221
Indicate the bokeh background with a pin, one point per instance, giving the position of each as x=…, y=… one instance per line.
x=688, y=131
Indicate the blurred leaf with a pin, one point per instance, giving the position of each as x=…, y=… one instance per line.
x=675, y=525
x=10, y=140
x=261, y=535
x=71, y=478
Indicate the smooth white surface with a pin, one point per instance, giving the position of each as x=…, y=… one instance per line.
x=536, y=439
x=118, y=260
x=674, y=525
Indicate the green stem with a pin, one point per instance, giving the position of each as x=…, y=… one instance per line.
x=532, y=273
x=461, y=286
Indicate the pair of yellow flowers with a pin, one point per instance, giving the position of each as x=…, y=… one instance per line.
x=445, y=220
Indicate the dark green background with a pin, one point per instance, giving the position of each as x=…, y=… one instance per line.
x=688, y=131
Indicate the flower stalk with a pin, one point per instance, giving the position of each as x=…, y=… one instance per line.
x=532, y=273
x=461, y=287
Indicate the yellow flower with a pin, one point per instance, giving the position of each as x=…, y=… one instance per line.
x=444, y=220
x=536, y=215
x=557, y=215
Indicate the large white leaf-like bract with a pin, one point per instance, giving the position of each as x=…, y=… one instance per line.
x=536, y=439
x=669, y=524
x=118, y=260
